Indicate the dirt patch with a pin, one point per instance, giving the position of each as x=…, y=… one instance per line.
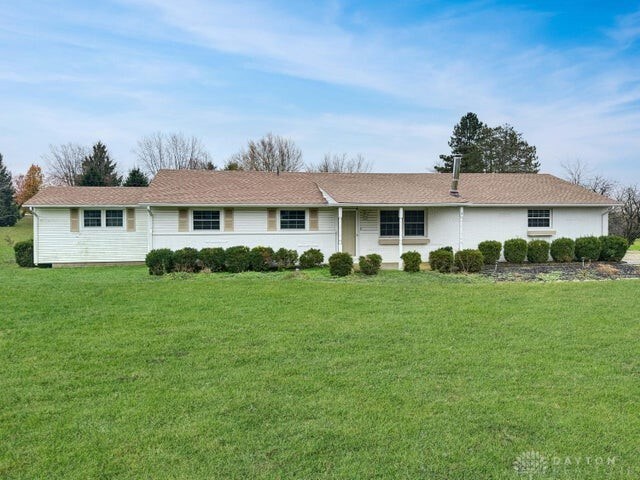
x=550, y=272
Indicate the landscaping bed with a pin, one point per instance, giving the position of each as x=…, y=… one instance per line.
x=549, y=272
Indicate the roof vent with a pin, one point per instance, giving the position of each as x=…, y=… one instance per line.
x=456, y=175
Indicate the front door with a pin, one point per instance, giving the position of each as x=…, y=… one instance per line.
x=349, y=231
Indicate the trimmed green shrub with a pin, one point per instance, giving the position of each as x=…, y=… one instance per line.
x=237, y=259
x=285, y=258
x=490, y=250
x=441, y=260
x=614, y=248
x=370, y=264
x=311, y=258
x=563, y=250
x=469, y=260
x=24, y=253
x=213, y=258
x=159, y=261
x=186, y=260
x=340, y=264
x=538, y=251
x=515, y=250
x=588, y=248
x=412, y=261
x=261, y=259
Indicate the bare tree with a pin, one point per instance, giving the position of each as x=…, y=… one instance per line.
x=272, y=153
x=624, y=220
x=64, y=163
x=341, y=163
x=579, y=173
x=174, y=151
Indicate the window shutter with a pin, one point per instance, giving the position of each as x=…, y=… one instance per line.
x=272, y=224
x=74, y=217
x=183, y=220
x=313, y=219
x=131, y=220
x=228, y=219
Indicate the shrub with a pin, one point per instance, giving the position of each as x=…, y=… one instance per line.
x=538, y=251
x=237, y=259
x=441, y=260
x=285, y=258
x=24, y=253
x=370, y=264
x=213, y=258
x=614, y=248
x=340, y=264
x=469, y=260
x=588, y=248
x=159, y=261
x=311, y=258
x=563, y=250
x=412, y=261
x=261, y=259
x=515, y=250
x=186, y=260
x=490, y=250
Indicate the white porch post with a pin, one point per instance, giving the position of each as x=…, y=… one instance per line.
x=461, y=215
x=400, y=232
x=340, y=229
x=149, y=229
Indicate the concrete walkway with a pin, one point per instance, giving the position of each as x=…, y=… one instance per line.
x=632, y=257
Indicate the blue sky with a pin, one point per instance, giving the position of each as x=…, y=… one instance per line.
x=384, y=79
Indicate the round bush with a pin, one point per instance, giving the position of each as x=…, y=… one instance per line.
x=237, y=259
x=614, y=248
x=261, y=259
x=285, y=258
x=441, y=260
x=538, y=251
x=563, y=250
x=213, y=258
x=370, y=264
x=412, y=261
x=311, y=258
x=186, y=260
x=469, y=260
x=340, y=264
x=588, y=248
x=159, y=261
x=515, y=250
x=24, y=253
x=490, y=250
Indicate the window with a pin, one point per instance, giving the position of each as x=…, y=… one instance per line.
x=414, y=223
x=206, y=220
x=93, y=218
x=114, y=218
x=539, y=218
x=389, y=223
x=292, y=220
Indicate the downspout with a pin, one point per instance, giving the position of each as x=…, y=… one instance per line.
x=36, y=234
x=340, y=229
x=460, y=216
x=150, y=229
x=400, y=232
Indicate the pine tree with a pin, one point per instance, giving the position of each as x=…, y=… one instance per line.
x=467, y=139
x=136, y=178
x=9, y=212
x=98, y=170
x=29, y=184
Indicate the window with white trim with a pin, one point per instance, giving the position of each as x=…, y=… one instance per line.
x=539, y=218
x=92, y=218
x=293, y=219
x=206, y=220
x=114, y=218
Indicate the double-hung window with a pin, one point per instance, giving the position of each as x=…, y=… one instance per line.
x=539, y=218
x=92, y=218
x=114, y=218
x=414, y=223
x=389, y=223
x=206, y=220
x=292, y=220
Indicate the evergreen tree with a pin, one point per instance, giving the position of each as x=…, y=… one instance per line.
x=98, y=170
x=467, y=139
x=136, y=178
x=9, y=212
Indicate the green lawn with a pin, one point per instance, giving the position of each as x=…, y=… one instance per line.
x=110, y=373
x=635, y=246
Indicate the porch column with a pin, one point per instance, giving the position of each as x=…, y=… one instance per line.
x=340, y=229
x=461, y=216
x=400, y=232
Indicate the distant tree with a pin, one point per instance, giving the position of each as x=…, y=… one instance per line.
x=29, y=184
x=98, y=170
x=232, y=165
x=9, y=212
x=172, y=151
x=64, y=163
x=624, y=220
x=468, y=138
x=579, y=173
x=136, y=178
x=271, y=153
x=340, y=163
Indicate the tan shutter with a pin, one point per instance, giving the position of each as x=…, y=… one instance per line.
x=272, y=224
x=183, y=220
x=74, y=216
x=228, y=219
x=131, y=219
x=313, y=219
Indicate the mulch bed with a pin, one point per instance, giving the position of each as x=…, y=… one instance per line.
x=549, y=272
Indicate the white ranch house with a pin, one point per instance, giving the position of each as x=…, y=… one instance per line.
x=357, y=213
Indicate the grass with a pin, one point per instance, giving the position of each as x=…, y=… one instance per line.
x=635, y=246
x=111, y=373
x=8, y=236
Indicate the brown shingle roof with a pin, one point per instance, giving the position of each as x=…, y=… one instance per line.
x=88, y=196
